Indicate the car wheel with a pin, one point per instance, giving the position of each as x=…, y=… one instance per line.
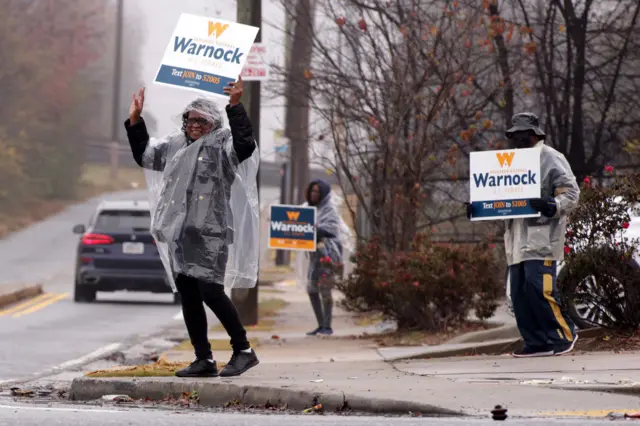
x=83, y=294
x=176, y=299
x=580, y=297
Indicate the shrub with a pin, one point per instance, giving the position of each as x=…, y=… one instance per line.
x=600, y=271
x=430, y=287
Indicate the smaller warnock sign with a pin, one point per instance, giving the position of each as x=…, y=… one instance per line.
x=292, y=228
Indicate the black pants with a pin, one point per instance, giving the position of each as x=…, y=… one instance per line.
x=194, y=293
x=539, y=315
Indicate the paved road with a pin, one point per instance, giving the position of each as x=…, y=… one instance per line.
x=53, y=330
x=65, y=415
x=46, y=250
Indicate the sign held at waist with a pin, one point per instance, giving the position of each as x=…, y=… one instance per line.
x=502, y=183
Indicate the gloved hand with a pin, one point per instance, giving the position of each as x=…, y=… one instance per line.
x=546, y=206
x=469, y=209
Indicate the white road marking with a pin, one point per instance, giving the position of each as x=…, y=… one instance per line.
x=178, y=316
x=93, y=356
x=20, y=407
x=97, y=354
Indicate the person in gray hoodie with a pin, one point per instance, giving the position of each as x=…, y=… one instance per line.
x=534, y=246
x=323, y=261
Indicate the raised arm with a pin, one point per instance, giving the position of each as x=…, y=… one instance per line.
x=241, y=130
x=149, y=157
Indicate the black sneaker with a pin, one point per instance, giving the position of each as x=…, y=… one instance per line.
x=199, y=368
x=566, y=348
x=529, y=352
x=239, y=363
x=314, y=332
x=326, y=331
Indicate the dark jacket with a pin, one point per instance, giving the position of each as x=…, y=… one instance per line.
x=239, y=122
x=193, y=215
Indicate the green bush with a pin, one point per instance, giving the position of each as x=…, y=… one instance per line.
x=430, y=287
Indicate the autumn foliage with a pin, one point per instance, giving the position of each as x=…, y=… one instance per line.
x=47, y=89
x=405, y=90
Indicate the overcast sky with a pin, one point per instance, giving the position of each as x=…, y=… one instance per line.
x=158, y=19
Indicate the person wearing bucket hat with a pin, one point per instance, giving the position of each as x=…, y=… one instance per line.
x=534, y=246
x=525, y=130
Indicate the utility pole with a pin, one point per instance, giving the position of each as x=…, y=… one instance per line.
x=249, y=12
x=283, y=257
x=117, y=75
x=297, y=94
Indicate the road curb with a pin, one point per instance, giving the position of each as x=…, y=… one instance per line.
x=631, y=390
x=504, y=331
x=216, y=393
x=472, y=348
x=460, y=349
x=19, y=294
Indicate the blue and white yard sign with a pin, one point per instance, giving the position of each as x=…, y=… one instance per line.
x=503, y=182
x=205, y=54
x=292, y=228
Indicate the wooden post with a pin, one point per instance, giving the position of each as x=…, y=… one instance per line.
x=250, y=13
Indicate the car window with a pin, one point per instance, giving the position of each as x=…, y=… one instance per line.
x=122, y=221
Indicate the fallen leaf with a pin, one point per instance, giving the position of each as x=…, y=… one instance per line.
x=21, y=392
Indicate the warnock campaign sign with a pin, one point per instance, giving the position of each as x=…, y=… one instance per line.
x=205, y=54
x=503, y=182
x=292, y=228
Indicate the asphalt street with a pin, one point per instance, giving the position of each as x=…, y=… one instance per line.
x=65, y=415
x=52, y=331
x=41, y=334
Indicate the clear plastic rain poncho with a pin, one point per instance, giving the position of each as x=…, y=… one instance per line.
x=312, y=268
x=204, y=205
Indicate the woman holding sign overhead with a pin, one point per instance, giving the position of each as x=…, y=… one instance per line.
x=204, y=217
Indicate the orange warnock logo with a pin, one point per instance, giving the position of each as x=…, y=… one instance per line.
x=505, y=158
x=293, y=216
x=217, y=28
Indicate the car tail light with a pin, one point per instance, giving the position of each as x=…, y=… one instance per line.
x=96, y=239
x=85, y=260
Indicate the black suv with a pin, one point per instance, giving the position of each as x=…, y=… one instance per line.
x=117, y=252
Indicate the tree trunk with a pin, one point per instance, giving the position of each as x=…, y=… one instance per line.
x=576, y=150
x=505, y=70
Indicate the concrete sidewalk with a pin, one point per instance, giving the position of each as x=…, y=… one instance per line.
x=349, y=372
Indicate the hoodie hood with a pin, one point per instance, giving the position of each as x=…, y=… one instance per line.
x=325, y=190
